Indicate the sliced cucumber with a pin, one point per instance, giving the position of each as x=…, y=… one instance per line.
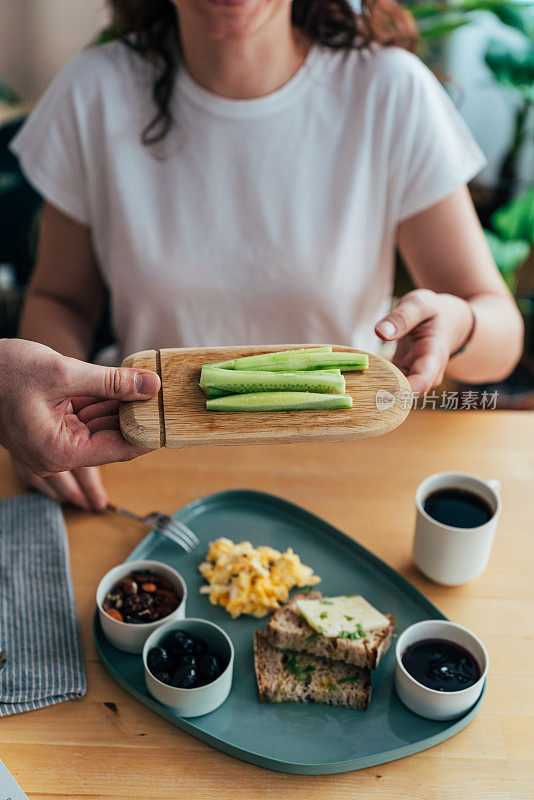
x=241, y=381
x=321, y=370
x=279, y=401
x=211, y=391
x=287, y=361
x=261, y=359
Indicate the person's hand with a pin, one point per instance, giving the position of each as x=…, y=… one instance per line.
x=59, y=418
x=428, y=328
x=81, y=487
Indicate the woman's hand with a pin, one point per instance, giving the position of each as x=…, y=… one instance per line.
x=59, y=418
x=428, y=328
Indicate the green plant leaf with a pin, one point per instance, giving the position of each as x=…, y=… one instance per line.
x=512, y=67
x=7, y=95
x=444, y=28
x=9, y=181
x=428, y=10
x=490, y=5
x=515, y=16
x=508, y=255
x=507, y=10
x=109, y=34
x=516, y=219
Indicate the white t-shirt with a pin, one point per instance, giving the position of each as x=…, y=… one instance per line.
x=262, y=221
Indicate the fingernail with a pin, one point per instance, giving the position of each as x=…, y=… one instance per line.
x=146, y=383
x=100, y=503
x=387, y=329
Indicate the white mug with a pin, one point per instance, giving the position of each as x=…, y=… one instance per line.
x=445, y=554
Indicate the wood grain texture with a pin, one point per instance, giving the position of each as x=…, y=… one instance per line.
x=188, y=424
x=110, y=747
x=141, y=422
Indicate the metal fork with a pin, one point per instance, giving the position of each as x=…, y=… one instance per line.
x=174, y=530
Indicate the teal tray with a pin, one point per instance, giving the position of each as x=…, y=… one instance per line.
x=302, y=739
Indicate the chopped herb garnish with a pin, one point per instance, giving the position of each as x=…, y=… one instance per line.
x=349, y=618
x=358, y=634
x=326, y=602
x=295, y=669
x=289, y=652
x=321, y=628
x=360, y=630
x=333, y=687
x=352, y=595
x=323, y=615
x=348, y=680
x=312, y=637
x=306, y=590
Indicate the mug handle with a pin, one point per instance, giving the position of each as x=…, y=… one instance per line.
x=495, y=484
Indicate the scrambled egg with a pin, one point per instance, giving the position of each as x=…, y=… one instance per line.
x=252, y=580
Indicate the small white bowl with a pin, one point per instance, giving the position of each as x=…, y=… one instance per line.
x=128, y=636
x=431, y=703
x=203, y=699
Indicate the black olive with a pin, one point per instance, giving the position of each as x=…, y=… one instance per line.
x=164, y=677
x=188, y=644
x=158, y=659
x=200, y=647
x=185, y=674
x=209, y=667
x=189, y=660
x=179, y=642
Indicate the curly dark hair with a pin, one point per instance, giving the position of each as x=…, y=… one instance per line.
x=150, y=27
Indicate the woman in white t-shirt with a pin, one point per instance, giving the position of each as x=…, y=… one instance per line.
x=240, y=172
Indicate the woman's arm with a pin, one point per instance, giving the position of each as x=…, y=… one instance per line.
x=447, y=255
x=65, y=295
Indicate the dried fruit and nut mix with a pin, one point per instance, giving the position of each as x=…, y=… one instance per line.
x=141, y=597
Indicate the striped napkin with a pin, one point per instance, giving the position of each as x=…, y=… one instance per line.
x=38, y=624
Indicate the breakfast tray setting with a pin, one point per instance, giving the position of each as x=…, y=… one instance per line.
x=302, y=739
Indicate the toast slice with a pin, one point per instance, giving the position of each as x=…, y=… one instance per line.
x=289, y=677
x=287, y=629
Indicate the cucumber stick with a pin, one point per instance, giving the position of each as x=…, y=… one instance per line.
x=294, y=362
x=211, y=391
x=242, y=381
x=265, y=357
x=279, y=401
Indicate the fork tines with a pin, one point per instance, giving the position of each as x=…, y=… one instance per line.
x=177, y=531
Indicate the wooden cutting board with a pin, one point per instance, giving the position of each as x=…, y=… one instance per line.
x=177, y=417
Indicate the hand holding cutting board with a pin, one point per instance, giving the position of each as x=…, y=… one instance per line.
x=58, y=413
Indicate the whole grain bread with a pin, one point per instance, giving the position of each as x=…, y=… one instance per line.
x=293, y=677
x=287, y=629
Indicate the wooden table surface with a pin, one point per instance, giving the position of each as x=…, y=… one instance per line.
x=109, y=746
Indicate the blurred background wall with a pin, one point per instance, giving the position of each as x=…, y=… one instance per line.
x=38, y=36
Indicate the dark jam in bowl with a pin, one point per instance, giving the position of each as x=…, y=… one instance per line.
x=441, y=665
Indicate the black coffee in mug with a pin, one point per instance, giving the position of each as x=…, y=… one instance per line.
x=459, y=508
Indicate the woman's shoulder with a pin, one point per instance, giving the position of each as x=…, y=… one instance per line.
x=96, y=69
x=380, y=67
